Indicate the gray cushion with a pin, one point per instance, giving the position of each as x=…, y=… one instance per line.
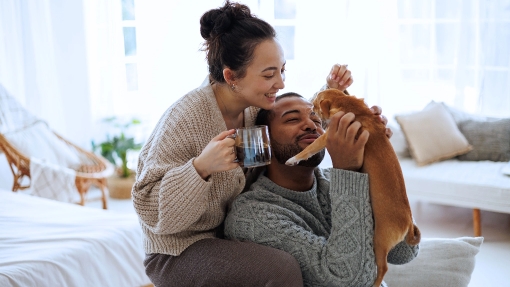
x=490, y=139
x=441, y=262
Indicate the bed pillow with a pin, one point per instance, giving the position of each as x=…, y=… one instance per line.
x=40, y=142
x=432, y=134
x=440, y=262
x=490, y=140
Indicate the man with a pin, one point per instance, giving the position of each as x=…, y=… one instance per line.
x=322, y=217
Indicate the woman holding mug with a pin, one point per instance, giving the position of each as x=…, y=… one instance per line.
x=187, y=176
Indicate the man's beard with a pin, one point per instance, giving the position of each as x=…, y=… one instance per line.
x=282, y=152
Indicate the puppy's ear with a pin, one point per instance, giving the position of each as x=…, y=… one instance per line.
x=325, y=106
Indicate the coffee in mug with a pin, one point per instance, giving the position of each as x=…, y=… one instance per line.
x=252, y=146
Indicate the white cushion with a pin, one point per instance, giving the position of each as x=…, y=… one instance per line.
x=432, y=134
x=39, y=141
x=441, y=262
x=470, y=184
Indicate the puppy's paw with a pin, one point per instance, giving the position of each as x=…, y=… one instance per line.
x=292, y=161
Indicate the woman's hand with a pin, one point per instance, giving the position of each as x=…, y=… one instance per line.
x=377, y=111
x=217, y=156
x=345, y=148
x=339, y=77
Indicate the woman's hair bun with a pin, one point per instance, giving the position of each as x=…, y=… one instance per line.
x=219, y=21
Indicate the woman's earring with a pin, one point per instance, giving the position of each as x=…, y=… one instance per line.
x=233, y=87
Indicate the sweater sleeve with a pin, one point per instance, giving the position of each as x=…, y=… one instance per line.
x=403, y=253
x=169, y=195
x=344, y=258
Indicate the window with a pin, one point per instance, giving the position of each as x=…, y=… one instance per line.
x=282, y=15
x=459, y=46
x=402, y=53
x=130, y=52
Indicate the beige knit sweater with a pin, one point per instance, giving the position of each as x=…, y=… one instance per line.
x=175, y=206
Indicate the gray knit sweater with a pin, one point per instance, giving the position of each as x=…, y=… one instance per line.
x=328, y=229
x=175, y=206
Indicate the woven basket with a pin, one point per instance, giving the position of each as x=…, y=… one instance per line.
x=120, y=187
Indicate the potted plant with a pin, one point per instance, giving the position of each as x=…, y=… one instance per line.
x=115, y=149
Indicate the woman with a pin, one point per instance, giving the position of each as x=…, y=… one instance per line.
x=187, y=176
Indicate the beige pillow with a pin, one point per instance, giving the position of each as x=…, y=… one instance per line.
x=440, y=262
x=432, y=134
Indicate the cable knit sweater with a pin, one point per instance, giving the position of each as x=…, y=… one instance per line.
x=328, y=229
x=175, y=206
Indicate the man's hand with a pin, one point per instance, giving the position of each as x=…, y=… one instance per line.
x=339, y=77
x=345, y=148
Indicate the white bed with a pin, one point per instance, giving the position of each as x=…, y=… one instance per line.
x=49, y=243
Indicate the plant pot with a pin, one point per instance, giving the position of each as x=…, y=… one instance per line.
x=120, y=187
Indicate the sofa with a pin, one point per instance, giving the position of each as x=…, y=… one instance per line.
x=454, y=158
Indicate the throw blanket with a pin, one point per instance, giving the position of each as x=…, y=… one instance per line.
x=13, y=116
x=52, y=181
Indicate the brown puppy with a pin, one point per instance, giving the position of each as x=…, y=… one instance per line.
x=391, y=209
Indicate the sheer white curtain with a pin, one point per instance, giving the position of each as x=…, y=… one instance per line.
x=406, y=53
x=43, y=63
x=457, y=51
x=494, y=57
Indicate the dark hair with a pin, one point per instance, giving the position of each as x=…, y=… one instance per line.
x=231, y=34
x=265, y=116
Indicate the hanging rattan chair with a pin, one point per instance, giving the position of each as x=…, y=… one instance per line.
x=93, y=170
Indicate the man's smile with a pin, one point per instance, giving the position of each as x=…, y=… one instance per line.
x=308, y=138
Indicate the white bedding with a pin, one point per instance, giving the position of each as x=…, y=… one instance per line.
x=49, y=243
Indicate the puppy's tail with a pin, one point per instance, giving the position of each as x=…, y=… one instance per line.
x=413, y=236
